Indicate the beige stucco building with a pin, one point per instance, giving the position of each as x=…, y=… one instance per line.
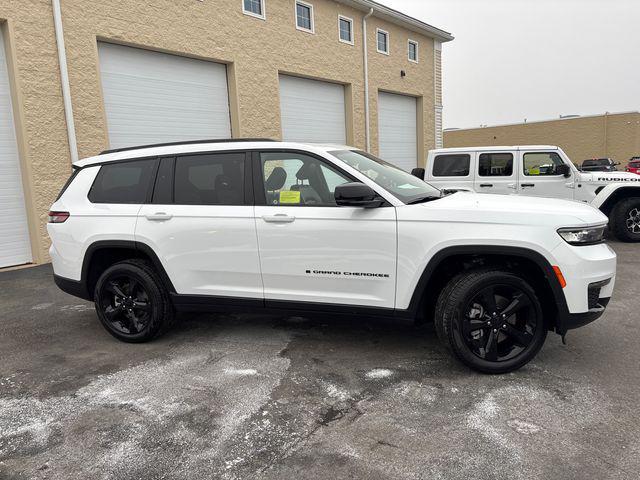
x=613, y=135
x=258, y=66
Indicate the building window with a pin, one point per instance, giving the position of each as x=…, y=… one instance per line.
x=382, y=43
x=255, y=8
x=304, y=17
x=413, y=51
x=345, y=29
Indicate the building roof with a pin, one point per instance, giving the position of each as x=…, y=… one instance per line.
x=561, y=119
x=399, y=18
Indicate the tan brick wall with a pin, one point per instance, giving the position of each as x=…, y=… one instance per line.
x=256, y=51
x=615, y=135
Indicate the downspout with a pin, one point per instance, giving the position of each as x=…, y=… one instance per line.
x=64, y=79
x=367, y=123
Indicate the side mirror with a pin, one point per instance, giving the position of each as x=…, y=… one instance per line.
x=357, y=195
x=564, y=169
x=418, y=172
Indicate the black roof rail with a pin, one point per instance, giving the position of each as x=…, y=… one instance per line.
x=188, y=142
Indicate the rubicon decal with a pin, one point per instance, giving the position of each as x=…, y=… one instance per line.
x=621, y=179
x=334, y=273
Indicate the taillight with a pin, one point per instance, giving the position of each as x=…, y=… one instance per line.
x=58, y=217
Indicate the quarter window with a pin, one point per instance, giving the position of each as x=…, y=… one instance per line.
x=294, y=180
x=210, y=179
x=254, y=8
x=495, y=165
x=382, y=43
x=304, y=16
x=541, y=164
x=413, y=51
x=126, y=182
x=456, y=165
x=345, y=27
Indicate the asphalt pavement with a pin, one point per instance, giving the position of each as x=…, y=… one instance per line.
x=248, y=396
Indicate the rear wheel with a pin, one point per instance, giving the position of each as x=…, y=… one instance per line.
x=491, y=320
x=625, y=220
x=132, y=302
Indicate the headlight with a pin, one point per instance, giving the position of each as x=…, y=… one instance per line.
x=583, y=236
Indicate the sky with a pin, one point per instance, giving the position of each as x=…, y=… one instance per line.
x=534, y=59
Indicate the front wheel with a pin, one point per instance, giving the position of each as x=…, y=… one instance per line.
x=491, y=320
x=132, y=303
x=625, y=220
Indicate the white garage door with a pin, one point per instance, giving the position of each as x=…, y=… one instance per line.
x=397, y=130
x=312, y=111
x=15, y=248
x=153, y=97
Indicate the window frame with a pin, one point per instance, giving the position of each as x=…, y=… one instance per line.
x=260, y=198
x=470, y=172
x=378, y=32
x=534, y=152
x=312, y=30
x=253, y=14
x=350, y=20
x=417, y=45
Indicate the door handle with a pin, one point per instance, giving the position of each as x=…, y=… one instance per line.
x=279, y=218
x=159, y=217
x=525, y=185
x=486, y=185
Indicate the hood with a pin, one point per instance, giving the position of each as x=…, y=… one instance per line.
x=606, y=178
x=470, y=207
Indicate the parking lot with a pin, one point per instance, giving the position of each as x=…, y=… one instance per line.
x=271, y=397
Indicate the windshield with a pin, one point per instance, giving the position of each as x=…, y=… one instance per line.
x=402, y=185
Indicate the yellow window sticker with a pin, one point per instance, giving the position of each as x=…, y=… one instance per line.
x=289, y=197
x=534, y=171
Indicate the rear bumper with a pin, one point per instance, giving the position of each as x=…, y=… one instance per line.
x=72, y=287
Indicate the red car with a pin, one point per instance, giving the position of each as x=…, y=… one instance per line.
x=634, y=165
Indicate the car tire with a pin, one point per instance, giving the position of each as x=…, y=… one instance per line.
x=497, y=341
x=132, y=302
x=624, y=221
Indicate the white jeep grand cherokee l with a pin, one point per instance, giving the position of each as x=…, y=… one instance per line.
x=258, y=225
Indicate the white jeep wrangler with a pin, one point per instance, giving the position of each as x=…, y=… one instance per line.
x=539, y=171
x=259, y=225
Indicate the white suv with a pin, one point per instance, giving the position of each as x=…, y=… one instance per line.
x=259, y=225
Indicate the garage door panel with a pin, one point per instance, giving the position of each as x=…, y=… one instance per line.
x=312, y=111
x=397, y=130
x=15, y=247
x=153, y=97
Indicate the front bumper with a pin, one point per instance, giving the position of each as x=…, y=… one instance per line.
x=590, y=273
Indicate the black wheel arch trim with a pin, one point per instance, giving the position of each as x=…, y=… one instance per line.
x=563, y=320
x=479, y=250
x=143, y=248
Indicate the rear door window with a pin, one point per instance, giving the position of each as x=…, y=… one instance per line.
x=210, y=179
x=123, y=182
x=495, y=165
x=453, y=165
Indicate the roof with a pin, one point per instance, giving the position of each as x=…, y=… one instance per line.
x=399, y=18
x=494, y=148
x=561, y=119
x=201, y=146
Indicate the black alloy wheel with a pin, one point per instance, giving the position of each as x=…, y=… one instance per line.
x=491, y=320
x=132, y=302
x=125, y=304
x=499, y=323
